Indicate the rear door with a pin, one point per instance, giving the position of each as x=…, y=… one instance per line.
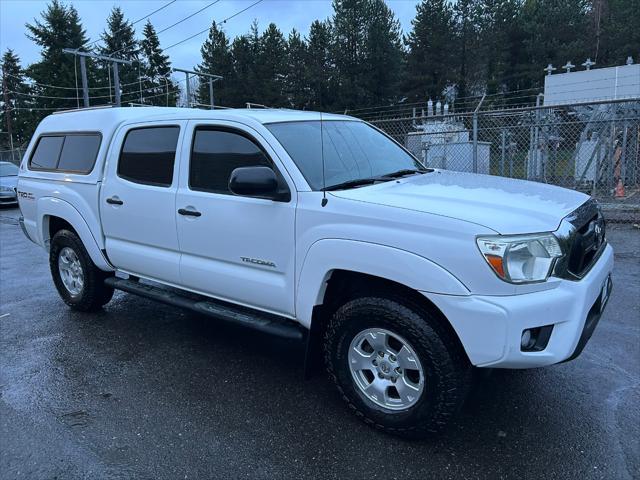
x=240, y=249
x=138, y=200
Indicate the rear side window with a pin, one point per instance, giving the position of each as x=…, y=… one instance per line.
x=74, y=153
x=47, y=153
x=148, y=155
x=216, y=153
x=79, y=153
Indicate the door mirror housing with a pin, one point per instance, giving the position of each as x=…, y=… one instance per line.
x=257, y=182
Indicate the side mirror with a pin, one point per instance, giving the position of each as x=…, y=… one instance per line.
x=256, y=182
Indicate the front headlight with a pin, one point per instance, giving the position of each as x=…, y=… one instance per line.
x=521, y=258
x=6, y=189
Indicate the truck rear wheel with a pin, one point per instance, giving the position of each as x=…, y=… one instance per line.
x=395, y=365
x=78, y=281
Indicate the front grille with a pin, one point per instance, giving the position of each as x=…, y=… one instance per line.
x=583, y=238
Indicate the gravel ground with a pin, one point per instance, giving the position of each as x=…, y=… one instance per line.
x=142, y=390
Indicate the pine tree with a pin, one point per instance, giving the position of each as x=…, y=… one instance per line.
x=243, y=78
x=159, y=88
x=59, y=28
x=320, y=71
x=382, y=55
x=501, y=41
x=430, y=55
x=297, y=81
x=544, y=42
x=614, y=34
x=118, y=40
x=271, y=67
x=14, y=112
x=216, y=60
x=349, y=33
x=467, y=51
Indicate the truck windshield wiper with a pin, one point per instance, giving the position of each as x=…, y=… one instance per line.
x=354, y=183
x=368, y=181
x=402, y=173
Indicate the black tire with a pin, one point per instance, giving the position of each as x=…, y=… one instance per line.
x=446, y=369
x=94, y=293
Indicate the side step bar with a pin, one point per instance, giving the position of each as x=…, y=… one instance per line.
x=246, y=317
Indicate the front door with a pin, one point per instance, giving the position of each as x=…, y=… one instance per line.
x=138, y=198
x=239, y=249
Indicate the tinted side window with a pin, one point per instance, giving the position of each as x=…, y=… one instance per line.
x=148, y=154
x=216, y=153
x=79, y=153
x=47, y=152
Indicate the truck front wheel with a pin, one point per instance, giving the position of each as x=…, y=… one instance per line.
x=78, y=281
x=395, y=365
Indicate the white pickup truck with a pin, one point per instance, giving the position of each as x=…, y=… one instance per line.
x=320, y=227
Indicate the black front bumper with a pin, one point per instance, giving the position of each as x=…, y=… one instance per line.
x=593, y=317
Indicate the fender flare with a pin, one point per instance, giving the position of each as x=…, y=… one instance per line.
x=401, y=266
x=55, y=207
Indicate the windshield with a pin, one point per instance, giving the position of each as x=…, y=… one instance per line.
x=352, y=151
x=8, y=170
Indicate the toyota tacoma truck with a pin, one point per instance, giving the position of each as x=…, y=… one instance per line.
x=320, y=228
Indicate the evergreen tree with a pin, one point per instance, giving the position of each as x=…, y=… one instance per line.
x=58, y=28
x=557, y=41
x=382, y=55
x=297, y=80
x=467, y=52
x=430, y=56
x=615, y=31
x=18, y=99
x=159, y=88
x=119, y=41
x=243, y=78
x=216, y=60
x=349, y=34
x=320, y=71
x=501, y=40
x=271, y=67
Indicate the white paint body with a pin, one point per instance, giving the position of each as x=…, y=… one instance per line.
x=419, y=231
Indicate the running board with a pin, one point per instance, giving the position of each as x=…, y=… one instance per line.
x=246, y=317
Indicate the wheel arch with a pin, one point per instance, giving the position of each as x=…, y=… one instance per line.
x=56, y=214
x=335, y=270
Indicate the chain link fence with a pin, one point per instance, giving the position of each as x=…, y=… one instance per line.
x=13, y=156
x=590, y=147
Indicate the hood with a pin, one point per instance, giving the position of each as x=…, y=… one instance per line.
x=505, y=205
x=9, y=181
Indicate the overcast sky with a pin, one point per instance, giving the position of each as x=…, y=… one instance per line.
x=287, y=14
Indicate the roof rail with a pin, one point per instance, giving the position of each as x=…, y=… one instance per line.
x=259, y=105
x=82, y=109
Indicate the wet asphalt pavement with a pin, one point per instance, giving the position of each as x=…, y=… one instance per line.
x=142, y=390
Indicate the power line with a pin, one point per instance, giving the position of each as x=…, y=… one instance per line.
x=172, y=25
x=207, y=29
x=137, y=21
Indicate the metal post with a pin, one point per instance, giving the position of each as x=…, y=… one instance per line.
x=536, y=141
x=85, y=85
x=212, y=78
x=503, y=148
x=7, y=115
x=166, y=81
x=116, y=83
x=213, y=104
x=188, y=90
x=475, y=135
x=475, y=142
x=83, y=71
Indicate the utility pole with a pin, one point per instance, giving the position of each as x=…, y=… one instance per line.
x=7, y=115
x=212, y=78
x=83, y=72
